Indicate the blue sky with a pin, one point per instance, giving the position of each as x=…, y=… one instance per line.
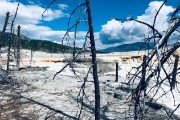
x=108, y=32
x=102, y=10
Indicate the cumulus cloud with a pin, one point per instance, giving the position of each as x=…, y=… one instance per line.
x=130, y=31
x=46, y=33
x=29, y=16
x=162, y=18
x=118, y=32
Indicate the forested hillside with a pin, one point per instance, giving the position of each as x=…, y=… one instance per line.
x=38, y=45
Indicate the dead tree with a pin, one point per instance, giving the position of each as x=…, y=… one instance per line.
x=94, y=62
x=31, y=44
x=4, y=28
x=18, y=47
x=90, y=36
x=138, y=90
x=117, y=67
x=11, y=38
x=154, y=65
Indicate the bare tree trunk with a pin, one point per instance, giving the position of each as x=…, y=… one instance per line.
x=4, y=28
x=74, y=48
x=94, y=62
x=31, y=44
x=31, y=56
x=116, y=72
x=18, y=48
x=9, y=51
x=15, y=46
x=142, y=87
x=144, y=72
x=143, y=84
x=173, y=82
x=11, y=37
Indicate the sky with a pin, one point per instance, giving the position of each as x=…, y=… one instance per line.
x=108, y=32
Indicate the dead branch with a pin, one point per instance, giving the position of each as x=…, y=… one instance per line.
x=174, y=111
x=156, y=17
x=175, y=12
x=69, y=29
x=83, y=92
x=79, y=6
x=67, y=64
x=48, y=7
x=158, y=13
x=153, y=68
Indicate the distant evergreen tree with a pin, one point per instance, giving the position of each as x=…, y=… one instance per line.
x=39, y=45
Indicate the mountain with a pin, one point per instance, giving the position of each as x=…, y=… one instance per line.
x=127, y=47
x=38, y=45
x=46, y=46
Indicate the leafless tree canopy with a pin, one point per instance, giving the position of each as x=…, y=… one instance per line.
x=154, y=64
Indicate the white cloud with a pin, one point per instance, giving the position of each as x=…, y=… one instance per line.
x=162, y=18
x=46, y=33
x=118, y=32
x=130, y=31
x=29, y=14
x=63, y=6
